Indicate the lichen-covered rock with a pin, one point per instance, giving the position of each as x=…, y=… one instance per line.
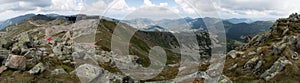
x=39, y=68
x=16, y=62
x=58, y=71
x=87, y=73
x=234, y=53
x=275, y=68
x=257, y=67
x=250, y=63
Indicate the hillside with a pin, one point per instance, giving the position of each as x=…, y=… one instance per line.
x=268, y=57
x=47, y=49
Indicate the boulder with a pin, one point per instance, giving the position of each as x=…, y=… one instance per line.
x=16, y=62
x=275, y=68
x=58, y=71
x=87, y=72
x=234, y=53
x=39, y=68
x=250, y=63
x=257, y=67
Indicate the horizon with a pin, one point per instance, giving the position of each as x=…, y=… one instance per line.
x=155, y=9
x=252, y=19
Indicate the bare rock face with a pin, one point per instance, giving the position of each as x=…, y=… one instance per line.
x=16, y=62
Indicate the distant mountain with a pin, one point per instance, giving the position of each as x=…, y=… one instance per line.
x=236, y=31
x=239, y=20
x=14, y=20
x=241, y=30
x=156, y=29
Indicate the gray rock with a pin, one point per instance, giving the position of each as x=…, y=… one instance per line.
x=275, y=68
x=294, y=55
x=257, y=67
x=16, y=50
x=278, y=49
x=233, y=67
x=298, y=41
x=39, y=68
x=16, y=62
x=251, y=53
x=58, y=71
x=224, y=79
x=87, y=73
x=250, y=63
x=292, y=40
x=234, y=53
x=2, y=68
x=285, y=31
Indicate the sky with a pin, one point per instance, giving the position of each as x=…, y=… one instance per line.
x=154, y=9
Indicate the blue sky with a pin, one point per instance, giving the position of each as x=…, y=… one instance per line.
x=160, y=9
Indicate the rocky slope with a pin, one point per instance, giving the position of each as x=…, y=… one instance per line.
x=268, y=57
x=47, y=49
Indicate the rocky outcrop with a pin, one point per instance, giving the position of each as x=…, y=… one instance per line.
x=16, y=62
x=275, y=68
x=268, y=54
x=39, y=68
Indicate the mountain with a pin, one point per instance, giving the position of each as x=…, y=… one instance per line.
x=156, y=29
x=236, y=31
x=241, y=30
x=14, y=20
x=239, y=20
x=47, y=49
x=268, y=57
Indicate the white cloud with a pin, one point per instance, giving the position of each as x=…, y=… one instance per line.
x=163, y=4
x=148, y=3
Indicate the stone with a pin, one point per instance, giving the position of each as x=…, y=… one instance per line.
x=292, y=40
x=278, y=49
x=285, y=31
x=87, y=72
x=250, y=63
x=58, y=71
x=294, y=55
x=2, y=68
x=257, y=67
x=298, y=41
x=224, y=79
x=251, y=53
x=234, y=53
x=233, y=67
x=8, y=45
x=275, y=68
x=39, y=68
x=16, y=50
x=16, y=62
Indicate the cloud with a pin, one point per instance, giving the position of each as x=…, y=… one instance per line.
x=23, y=5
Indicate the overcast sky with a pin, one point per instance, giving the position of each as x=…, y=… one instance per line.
x=155, y=9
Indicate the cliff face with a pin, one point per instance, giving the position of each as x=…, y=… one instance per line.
x=268, y=57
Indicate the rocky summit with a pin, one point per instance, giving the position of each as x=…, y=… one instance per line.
x=272, y=56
